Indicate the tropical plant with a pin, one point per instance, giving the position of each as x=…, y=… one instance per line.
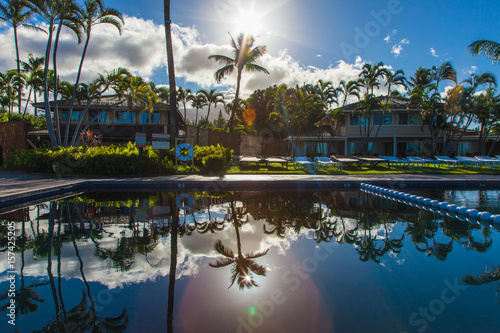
x=91, y=14
x=211, y=97
x=33, y=69
x=244, y=56
x=17, y=13
x=487, y=48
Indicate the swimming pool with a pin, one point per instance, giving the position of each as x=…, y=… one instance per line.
x=253, y=261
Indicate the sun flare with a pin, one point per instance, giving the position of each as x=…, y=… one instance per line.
x=249, y=23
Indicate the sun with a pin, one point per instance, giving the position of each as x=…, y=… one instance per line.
x=249, y=23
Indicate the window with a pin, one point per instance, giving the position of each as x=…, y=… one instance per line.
x=357, y=120
x=150, y=118
x=413, y=147
x=103, y=116
x=124, y=117
x=384, y=119
x=357, y=147
x=75, y=116
x=408, y=118
x=463, y=148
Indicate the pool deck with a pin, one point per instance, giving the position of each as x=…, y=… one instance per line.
x=17, y=188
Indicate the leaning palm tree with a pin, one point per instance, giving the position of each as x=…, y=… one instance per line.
x=244, y=56
x=91, y=14
x=17, y=13
x=211, y=97
x=487, y=48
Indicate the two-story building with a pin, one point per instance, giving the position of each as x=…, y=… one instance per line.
x=400, y=131
x=115, y=122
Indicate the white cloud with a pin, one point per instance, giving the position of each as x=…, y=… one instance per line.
x=390, y=35
x=141, y=49
x=433, y=52
x=397, y=48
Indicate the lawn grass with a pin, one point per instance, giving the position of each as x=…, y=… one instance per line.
x=364, y=170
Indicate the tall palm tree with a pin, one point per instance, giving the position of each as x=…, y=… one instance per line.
x=211, y=97
x=91, y=14
x=183, y=95
x=244, y=56
x=171, y=70
x=488, y=48
x=198, y=101
x=67, y=16
x=33, y=69
x=17, y=13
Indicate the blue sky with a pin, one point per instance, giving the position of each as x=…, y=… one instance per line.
x=315, y=32
x=306, y=40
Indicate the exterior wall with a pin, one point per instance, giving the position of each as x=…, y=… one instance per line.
x=12, y=138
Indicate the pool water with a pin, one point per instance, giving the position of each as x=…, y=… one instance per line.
x=324, y=261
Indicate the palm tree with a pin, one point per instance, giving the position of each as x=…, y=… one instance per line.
x=244, y=56
x=171, y=70
x=33, y=69
x=184, y=95
x=244, y=265
x=198, y=102
x=91, y=14
x=488, y=48
x=211, y=98
x=17, y=13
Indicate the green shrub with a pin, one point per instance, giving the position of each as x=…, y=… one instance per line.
x=112, y=160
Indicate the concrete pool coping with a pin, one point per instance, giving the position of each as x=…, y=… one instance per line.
x=17, y=188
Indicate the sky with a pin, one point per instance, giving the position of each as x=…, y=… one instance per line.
x=305, y=40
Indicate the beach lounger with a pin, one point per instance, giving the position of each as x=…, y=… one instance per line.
x=393, y=161
x=346, y=160
x=302, y=163
x=324, y=162
x=246, y=160
x=450, y=162
x=373, y=161
x=276, y=160
x=490, y=162
x=469, y=162
x=420, y=162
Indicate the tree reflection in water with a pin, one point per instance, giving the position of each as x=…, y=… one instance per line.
x=244, y=264
x=118, y=235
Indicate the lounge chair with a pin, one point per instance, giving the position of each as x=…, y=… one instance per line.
x=490, y=162
x=450, y=162
x=302, y=163
x=276, y=160
x=393, y=161
x=324, y=162
x=373, y=161
x=245, y=160
x=420, y=162
x=469, y=162
x=346, y=160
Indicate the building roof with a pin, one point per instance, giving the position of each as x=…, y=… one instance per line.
x=395, y=103
x=107, y=101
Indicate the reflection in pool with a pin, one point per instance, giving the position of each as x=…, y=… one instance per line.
x=336, y=261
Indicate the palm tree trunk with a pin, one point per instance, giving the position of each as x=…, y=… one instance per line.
x=27, y=102
x=77, y=82
x=56, y=111
x=48, y=116
x=20, y=88
x=236, y=98
x=171, y=71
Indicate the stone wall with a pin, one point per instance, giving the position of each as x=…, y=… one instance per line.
x=12, y=138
